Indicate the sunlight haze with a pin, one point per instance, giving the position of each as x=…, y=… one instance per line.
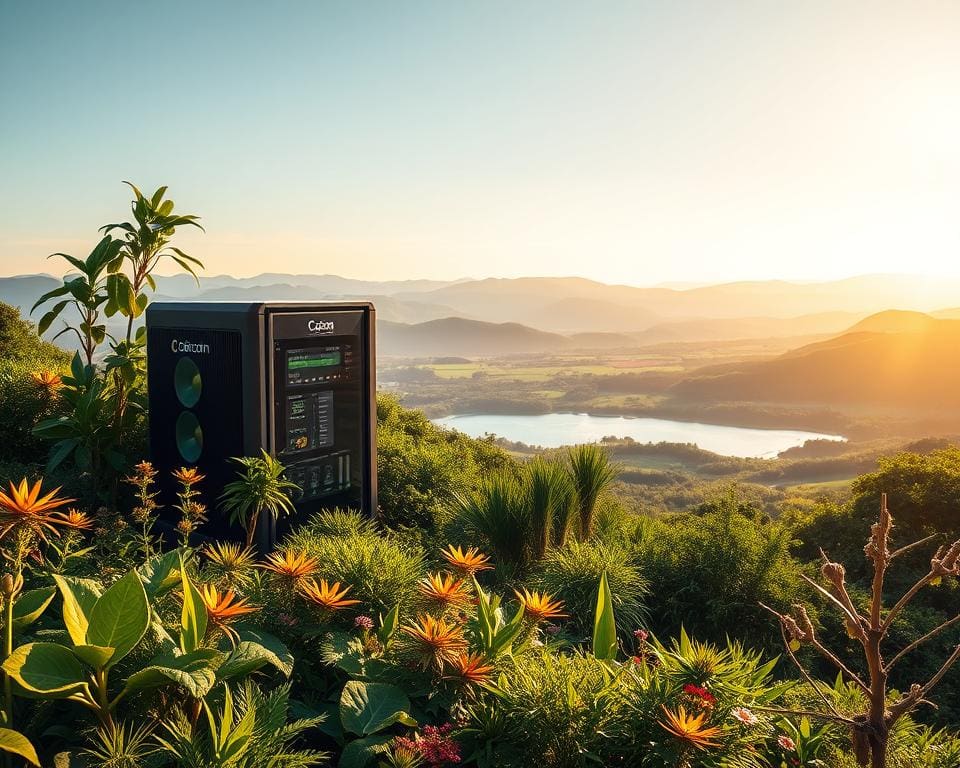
x=650, y=142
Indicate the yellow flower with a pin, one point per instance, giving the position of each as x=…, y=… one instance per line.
x=230, y=556
x=444, y=590
x=24, y=507
x=76, y=519
x=690, y=729
x=292, y=565
x=468, y=562
x=540, y=605
x=436, y=641
x=329, y=597
x=47, y=380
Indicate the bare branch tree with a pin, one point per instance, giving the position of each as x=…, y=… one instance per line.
x=870, y=730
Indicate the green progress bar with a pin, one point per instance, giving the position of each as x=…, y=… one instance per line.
x=314, y=362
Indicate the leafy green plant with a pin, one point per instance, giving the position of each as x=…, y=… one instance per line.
x=494, y=634
x=552, y=505
x=498, y=513
x=572, y=573
x=260, y=489
x=249, y=732
x=592, y=473
x=604, y=623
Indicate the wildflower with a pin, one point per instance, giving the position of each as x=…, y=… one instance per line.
x=48, y=381
x=641, y=635
x=701, y=696
x=690, y=729
x=232, y=559
x=142, y=479
x=363, y=622
x=468, y=562
x=78, y=520
x=434, y=746
x=25, y=508
x=329, y=597
x=472, y=668
x=189, y=476
x=444, y=590
x=786, y=743
x=744, y=716
x=540, y=605
x=223, y=609
x=291, y=565
x=436, y=640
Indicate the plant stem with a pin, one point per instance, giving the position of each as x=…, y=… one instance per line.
x=7, y=686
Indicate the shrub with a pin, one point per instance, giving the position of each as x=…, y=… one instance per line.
x=380, y=572
x=421, y=467
x=572, y=572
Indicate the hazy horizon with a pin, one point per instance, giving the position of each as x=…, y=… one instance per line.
x=647, y=143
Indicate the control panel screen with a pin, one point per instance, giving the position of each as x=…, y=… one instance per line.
x=308, y=366
x=319, y=409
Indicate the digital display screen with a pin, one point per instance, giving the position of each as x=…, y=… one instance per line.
x=309, y=420
x=317, y=364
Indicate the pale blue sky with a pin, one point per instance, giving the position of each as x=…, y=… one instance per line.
x=625, y=141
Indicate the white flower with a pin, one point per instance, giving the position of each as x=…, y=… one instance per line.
x=744, y=715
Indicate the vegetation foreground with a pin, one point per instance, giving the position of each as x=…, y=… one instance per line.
x=497, y=613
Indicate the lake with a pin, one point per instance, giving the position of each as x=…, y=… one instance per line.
x=552, y=430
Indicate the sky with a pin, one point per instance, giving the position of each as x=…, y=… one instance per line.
x=632, y=142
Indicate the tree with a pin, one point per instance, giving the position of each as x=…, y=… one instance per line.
x=870, y=730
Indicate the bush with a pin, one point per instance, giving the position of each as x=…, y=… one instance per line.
x=379, y=571
x=421, y=467
x=572, y=573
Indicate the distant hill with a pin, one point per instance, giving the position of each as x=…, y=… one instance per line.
x=724, y=329
x=470, y=338
x=917, y=368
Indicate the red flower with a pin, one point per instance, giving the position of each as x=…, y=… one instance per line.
x=702, y=695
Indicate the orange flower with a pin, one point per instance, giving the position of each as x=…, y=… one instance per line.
x=223, y=609
x=230, y=556
x=76, y=519
x=292, y=565
x=540, y=605
x=47, y=380
x=690, y=729
x=472, y=668
x=326, y=596
x=188, y=476
x=468, y=562
x=24, y=506
x=437, y=641
x=444, y=590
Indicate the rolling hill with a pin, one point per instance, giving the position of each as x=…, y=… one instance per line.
x=909, y=363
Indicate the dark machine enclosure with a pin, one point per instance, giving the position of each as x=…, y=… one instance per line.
x=297, y=380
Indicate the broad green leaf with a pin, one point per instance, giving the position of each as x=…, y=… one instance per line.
x=366, y=708
x=194, y=671
x=30, y=606
x=193, y=616
x=96, y=656
x=271, y=648
x=388, y=625
x=120, y=617
x=79, y=597
x=46, y=669
x=15, y=743
x=604, y=624
x=360, y=753
x=161, y=573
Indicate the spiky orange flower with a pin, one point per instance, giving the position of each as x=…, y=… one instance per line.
x=436, y=641
x=295, y=566
x=47, y=381
x=444, y=589
x=189, y=476
x=690, y=729
x=328, y=597
x=78, y=520
x=224, y=608
x=471, y=668
x=25, y=507
x=468, y=562
x=540, y=605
